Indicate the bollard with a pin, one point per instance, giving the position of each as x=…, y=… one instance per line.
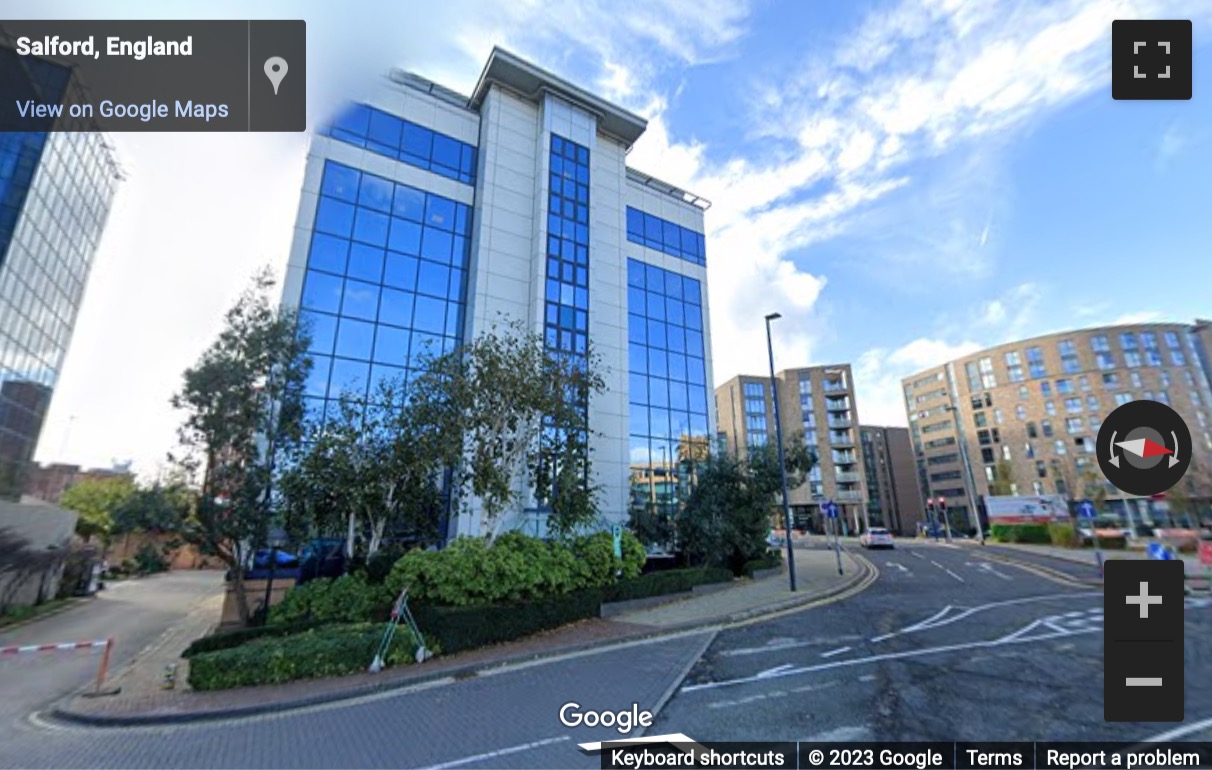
x=104, y=667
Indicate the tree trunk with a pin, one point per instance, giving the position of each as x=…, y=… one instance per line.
x=352, y=532
x=376, y=538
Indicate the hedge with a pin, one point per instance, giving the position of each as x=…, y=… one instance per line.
x=1063, y=534
x=229, y=639
x=330, y=651
x=774, y=559
x=347, y=599
x=665, y=582
x=514, y=568
x=455, y=629
x=1021, y=533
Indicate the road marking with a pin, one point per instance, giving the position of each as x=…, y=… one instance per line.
x=900, y=567
x=885, y=656
x=916, y=626
x=511, y=667
x=867, y=678
x=915, y=553
x=787, y=644
x=772, y=671
x=936, y=622
x=1178, y=732
x=831, y=653
x=499, y=753
x=949, y=572
x=1075, y=614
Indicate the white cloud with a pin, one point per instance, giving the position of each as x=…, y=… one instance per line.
x=1138, y=317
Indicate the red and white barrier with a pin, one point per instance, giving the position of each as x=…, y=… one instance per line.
x=107, y=644
x=48, y=647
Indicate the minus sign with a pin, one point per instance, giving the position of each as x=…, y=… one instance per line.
x=1143, y=681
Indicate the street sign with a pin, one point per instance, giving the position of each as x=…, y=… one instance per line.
x=1086, y=510
x=1159, y=552
x=830, y=509
x=616, y=531
x=1205, y=553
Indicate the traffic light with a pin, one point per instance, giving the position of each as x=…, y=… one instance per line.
x=942, y=506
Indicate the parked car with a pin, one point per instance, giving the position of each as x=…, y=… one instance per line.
x=876, y=537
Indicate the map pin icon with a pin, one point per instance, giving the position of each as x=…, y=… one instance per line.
x=275, y=70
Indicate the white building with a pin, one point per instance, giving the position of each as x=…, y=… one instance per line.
x=427, y=215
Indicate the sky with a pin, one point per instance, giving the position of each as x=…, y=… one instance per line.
x=905, y=182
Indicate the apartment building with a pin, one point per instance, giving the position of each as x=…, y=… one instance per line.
x=1023, y=418
x=894, y=499
x=819, y=403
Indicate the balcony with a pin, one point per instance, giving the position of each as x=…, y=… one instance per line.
x=841, y=439
x=837, y=404
x=847, y=477
x=834, y=386
x=844, y=458
x=841, y=424
x=848, y=496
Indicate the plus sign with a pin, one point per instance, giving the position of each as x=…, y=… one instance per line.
x=1144, y=600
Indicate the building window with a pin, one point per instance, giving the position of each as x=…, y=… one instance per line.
x=1045, y=389
x=1195, y=399
x=1020, y=412
x=1177, y=358
x=1050, y=407
x=1046, y=427
x=1092, y=403
x=754, y=389
x=665, y=236
x=1028, y=450
x=987, y=378
x=1165, y=379
x=393, y=137
x=1131, y=358
x=1095, y=424
x=1083, y=382
x=385, y=283
x=1172, y=340
x=987, y=455
x=1040, y=469
x=1005, y=451
x=1099, y=343
x=997, y=416
x=1127, y=341
x=1163, y=397
x=1022, y=392
x=1073, y=404
x=1064, y=386
x=1105, y=360
x=1122, y=398
x=1111, y=380
x=805, y=389
x=1035, y=362
x=980, y=420
x=1073, y=424
x=1014, y=366
x=667, y=369
x=1031, y=430
x=1061, y=449
x=567, y=309
x=1134, y=377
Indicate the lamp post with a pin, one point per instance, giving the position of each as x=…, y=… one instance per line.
x=778, y=437
x=970, y=482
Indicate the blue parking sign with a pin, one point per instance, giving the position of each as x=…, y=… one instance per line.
x=1086, y=510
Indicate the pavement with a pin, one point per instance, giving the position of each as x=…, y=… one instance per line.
x=143, y=700
x=133, y=613
x=941, y=643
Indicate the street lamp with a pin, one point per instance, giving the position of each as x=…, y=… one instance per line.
x=778, y=437
x=971, y=481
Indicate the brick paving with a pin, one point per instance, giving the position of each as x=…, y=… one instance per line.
x=143, y=700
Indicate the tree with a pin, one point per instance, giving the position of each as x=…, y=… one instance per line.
x=375, y=463
x=507, y=408
x=243, y=405
x=1003, y=479
x=97, y=501
x=727, y=516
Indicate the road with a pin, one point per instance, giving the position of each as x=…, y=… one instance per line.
x=944, y=646
x=134, y=613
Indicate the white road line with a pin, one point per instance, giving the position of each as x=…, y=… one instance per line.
x=1052, y=625
x=831, y=653
x=1006, y=603
x=1021, y=632
x=789, y=644
x=499, y=753
x=1075, y=614
x=952, y=574
x=877, y=658
x=1178, y=732
x=915, y=553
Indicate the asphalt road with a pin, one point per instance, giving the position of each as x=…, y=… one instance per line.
x=134, y=613
x=944, y=646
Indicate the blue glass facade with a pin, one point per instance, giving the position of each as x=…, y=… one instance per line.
x=402, y=140
x=668, y=374
x=386, y=281
x=665, y=236
x=566, y=322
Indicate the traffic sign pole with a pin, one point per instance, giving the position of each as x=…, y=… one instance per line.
x=832, y=514
x=1087, y=511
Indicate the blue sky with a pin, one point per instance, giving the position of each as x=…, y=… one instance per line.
x=903, y=181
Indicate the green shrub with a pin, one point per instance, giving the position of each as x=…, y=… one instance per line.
x=347, y=599
x=1021, y=533
x=770, y=561
x=378, y=567
x=330, y=651
x=1063, y=534
x=1112, y=543
x=149, y=560
x=228, y=639
x=515, y=568
x=454, y=629
x=665, y=582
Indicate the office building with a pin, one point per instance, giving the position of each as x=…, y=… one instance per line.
x=818, y=403
x=55, y=193
x=894, y=498
x=1202, y=330
x=1023, y=418
x=427, y=216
